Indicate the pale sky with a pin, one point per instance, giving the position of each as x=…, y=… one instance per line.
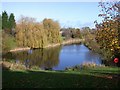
x=68, y=14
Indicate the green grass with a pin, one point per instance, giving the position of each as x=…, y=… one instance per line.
x=86, y=78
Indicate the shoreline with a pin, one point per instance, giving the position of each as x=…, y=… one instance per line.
x=20, y=49
x=71, y=41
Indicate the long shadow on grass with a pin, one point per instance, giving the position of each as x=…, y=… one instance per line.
x=107, y=72
x=42, y=79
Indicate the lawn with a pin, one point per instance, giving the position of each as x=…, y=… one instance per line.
x=87, y=78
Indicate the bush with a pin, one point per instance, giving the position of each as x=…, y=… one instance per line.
x=8, y=42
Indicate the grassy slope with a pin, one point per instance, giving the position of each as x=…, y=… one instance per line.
x=93, y=77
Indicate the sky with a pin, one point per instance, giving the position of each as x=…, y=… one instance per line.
x=57, y=0
x=68, y=14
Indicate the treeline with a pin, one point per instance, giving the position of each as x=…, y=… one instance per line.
x=30, y=33
x=69, y=33
x=27, y=32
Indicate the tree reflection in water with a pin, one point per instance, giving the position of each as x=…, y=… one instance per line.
x=57, y=58
x=92, y=57
x=43, y=58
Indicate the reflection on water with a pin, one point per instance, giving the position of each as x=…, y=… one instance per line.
x=57, y=58
x=72, y=55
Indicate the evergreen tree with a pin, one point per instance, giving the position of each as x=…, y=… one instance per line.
x=12, y=23
x=0, y=22
x=4, y=20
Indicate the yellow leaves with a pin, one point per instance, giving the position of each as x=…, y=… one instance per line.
x=114, y=44
x=35, y=34
x=107, y=35
x=114, y=41
x=118, y=47
x=112, y=49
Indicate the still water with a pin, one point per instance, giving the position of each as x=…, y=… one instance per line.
x=57, y=58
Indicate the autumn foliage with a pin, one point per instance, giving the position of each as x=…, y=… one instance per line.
x=107, y=35
x=30, y=33
x=108, y=32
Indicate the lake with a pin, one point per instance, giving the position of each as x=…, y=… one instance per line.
x=57, y=58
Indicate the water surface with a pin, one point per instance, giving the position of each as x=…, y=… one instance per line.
x=57, y=58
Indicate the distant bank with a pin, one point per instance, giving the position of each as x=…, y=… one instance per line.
x=71, y=41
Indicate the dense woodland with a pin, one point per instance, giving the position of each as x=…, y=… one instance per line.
x=27, y=32
x=30, y=33
x=68, y=33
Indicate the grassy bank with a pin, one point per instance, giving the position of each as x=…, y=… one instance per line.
x=106, y=55
x=104, y=77
x=92, y=45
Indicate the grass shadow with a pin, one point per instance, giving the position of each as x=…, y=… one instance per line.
x=54, y=79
